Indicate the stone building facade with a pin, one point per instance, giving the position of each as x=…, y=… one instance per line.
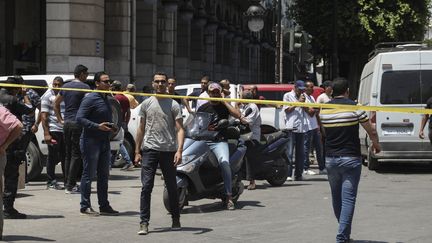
x=131, y=39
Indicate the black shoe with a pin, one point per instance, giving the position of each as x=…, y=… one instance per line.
x=89, y=212
x=143, y=230
x=53, y=185
x=108, y=211
x=298, y=178
x=13, y=214
x=176, y=224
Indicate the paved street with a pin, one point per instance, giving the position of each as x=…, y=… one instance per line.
x=394, y=205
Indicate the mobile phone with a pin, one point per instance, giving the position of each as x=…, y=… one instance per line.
x=110, y=125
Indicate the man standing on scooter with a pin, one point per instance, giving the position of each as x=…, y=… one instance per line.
x=221, y=110
x=161, y=128
x=252, y=117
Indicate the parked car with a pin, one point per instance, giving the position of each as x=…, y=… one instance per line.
x=37, y=150
x=401, y=76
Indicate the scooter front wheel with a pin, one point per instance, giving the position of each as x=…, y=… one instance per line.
x=182, y=192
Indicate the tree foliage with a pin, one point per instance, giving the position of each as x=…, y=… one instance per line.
x=360, y=23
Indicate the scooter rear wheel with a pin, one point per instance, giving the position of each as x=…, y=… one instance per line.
x=279, y=176
x=182, y=192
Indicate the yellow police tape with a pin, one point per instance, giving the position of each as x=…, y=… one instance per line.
x=263, y=102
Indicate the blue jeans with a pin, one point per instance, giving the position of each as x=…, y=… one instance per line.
x=313, y=139
x=96, y=161
x=221, y=151
x=296, y=140
x=344, y=176
x=125, y=155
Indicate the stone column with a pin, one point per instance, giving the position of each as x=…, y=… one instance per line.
x=197, y=54
x=182, y=60
x=117, y=39
x=210, y=50
x=146, y=27
x=166, y=40
x=75, y=35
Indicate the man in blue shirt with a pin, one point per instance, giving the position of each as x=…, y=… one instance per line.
x=95, y=116
x=72, y=130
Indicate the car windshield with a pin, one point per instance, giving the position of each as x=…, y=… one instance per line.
x=406, y=87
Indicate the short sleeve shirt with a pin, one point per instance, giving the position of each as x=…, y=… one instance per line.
x=312, y=120
x=124, y=104
x=72, y=99
x=202, y=102
x=160, y=116
x=253, y=119
x=7, y=123
x=323, y=98
x=29, y=120
x=342, y=129
x=297, y=117
x=47, y=105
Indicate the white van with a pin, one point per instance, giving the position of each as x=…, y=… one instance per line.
x=37, y=149
x=401, y=76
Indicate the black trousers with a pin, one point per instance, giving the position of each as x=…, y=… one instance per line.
x=56, y=154
x=150, y=161
x=252, y=151
x=73, y=160
x=15, y=156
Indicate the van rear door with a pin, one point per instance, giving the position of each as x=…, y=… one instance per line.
x=402, y=84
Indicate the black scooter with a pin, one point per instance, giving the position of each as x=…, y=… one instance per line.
x=268, y=159
x=199, y=175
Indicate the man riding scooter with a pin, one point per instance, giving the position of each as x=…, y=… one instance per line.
x=221, y=110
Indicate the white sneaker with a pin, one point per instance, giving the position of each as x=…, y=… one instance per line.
x=323, y=172
x=309, y=172
x=289, y=178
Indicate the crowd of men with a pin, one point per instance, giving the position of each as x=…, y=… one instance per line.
x=77, y=127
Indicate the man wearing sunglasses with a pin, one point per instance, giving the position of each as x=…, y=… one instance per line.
x=221, y=110
x=95, y=116
x=161, y=129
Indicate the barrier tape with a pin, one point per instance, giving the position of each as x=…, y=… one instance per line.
x=262, y=102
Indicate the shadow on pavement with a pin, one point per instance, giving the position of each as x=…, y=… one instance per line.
x=199, y=231
x=368, y=241
x=128, y=213
x=315, y=179
x=35, y=216
x=404, y=168
x=24, y=238
x=218, y=206
x=122, y=177
x=22, y=195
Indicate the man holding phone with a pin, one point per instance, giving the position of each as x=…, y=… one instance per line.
x=95, y=116
x=296, y=119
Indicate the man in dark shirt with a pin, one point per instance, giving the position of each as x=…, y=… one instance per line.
x=72, y=130
x=16, y=151
x=205, y=80
x=219, y=111
x=171, y=90
x=343, y=157
x=95, y=116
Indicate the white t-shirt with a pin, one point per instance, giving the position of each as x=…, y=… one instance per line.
x=297, y=117
x=323, y=98
x=202, y=102
x=254, y=120
x=312, y=120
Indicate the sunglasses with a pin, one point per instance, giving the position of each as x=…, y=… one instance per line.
x=160, y=81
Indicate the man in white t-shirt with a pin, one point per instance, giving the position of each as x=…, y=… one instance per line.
x=313, y=135
x=328, y=90
x=295, y=118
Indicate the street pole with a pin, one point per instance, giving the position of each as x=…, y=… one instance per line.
x=278, y=13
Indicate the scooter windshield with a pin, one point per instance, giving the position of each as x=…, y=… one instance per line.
x=197, y=126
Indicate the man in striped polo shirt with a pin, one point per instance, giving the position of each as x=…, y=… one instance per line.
x=53, y=133
x=343, y=157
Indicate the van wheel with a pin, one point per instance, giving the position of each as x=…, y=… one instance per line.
x=34, y=161
x=373, y=163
